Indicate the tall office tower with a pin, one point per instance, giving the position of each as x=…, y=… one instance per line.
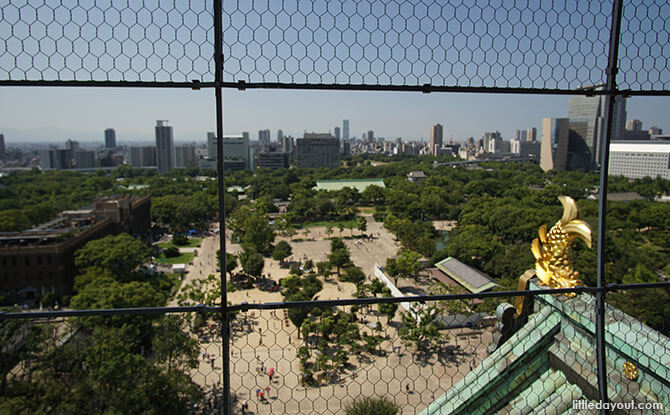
x=531, y=134
x=318, y=150
x=287, y=144
x=110, y=138
x=436, y=133
x=211, y=145
x=264, y=137
x=592, y=110
x=563, y=146
x=655, y=131
x=165, y=154
x=337, y=132
x=143, y=156
x=520, y=135
x=84, y=159
x=280, y=134
x=2, y=146
x=185, y=156
x=371, y=136
x=345, y=129
x=236, y=148
x=491, y=142
x=634, y=125
x=72, y=145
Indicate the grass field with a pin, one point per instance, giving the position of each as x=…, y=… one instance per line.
x=192, y=243
x=181, y=259
x=346, y=224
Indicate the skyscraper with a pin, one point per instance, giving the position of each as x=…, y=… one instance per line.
x=264, y=137
x=211, y=145
x=531, y=134
x=634, y=125
x=371, y=136
x=337, y=132
x=280, y=134
x=563, y=146
x=165, y=154
x=436, y=133
x=345, y=129
x=592, y=110
x=110, y=138
x=2, y=146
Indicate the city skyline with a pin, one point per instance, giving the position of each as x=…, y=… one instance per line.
x=82, y=114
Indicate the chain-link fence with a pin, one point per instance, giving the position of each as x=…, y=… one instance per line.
x=426, y=355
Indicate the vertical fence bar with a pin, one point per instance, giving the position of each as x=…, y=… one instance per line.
x=226, y=405
x=612, y=69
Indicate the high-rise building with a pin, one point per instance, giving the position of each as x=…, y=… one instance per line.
x=165, y=154
x=72, y=145
x=436, y=133
x=211, y=145
x=531, y=134
x=492, y=142
x=592, y=110
x=318, y=150
x=185, y=156
x=143, y=156
x=2, y=146
x=345, y=129
x=84, y=159
x=635, y=160
x=280, y=134
x=520, y=135
x=655, y=131
x=563, y=146
x=337, y=132
x=287, y=144
x=264, y=137
x=371, y=136
x=110, y=138
x=634, y=125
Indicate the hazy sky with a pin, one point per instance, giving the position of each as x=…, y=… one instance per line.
x=56, y=114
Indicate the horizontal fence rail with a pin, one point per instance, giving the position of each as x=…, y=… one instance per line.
x=428, y=46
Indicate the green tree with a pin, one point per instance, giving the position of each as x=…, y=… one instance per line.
x=421, y=328
x=119, y=254
x=252, y=262
x=339, y=258
x=281, y=251
x=362, y=224
x=405, y=266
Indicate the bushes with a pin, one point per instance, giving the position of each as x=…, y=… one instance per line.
x=371, y=406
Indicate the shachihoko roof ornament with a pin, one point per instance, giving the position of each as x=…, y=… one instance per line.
x=553, y=264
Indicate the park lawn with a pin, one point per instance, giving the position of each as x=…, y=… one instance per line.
x=366, y=209
x=184, y=258
x=192, y=243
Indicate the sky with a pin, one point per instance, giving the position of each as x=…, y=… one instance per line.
x=31, y=114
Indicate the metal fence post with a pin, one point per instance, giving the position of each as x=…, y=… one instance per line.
x=612, y=69
x=226, y=405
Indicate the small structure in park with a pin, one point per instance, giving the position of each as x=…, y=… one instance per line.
x=452, y=272
x=358, y=184
x=545, y=359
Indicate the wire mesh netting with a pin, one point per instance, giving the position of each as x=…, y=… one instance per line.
x=120, y=364
x=560, y=45
x=644, y=46
x=90, y=40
